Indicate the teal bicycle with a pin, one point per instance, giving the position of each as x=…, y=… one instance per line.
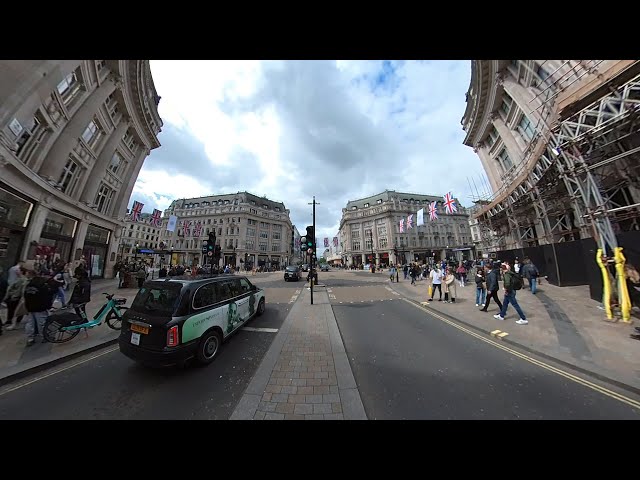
x=62, y=327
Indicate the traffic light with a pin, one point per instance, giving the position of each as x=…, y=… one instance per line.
x=311, y=238
x=211, y=242
x=218, y=251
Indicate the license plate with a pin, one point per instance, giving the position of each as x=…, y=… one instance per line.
x=135, y=338
x=139, y=329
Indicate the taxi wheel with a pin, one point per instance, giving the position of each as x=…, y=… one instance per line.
x=261, y=307
x=208, y=347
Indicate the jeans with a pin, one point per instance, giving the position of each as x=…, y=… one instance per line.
x=533, y=283
x=433, y=290
x=481, y=296
x=35, y=319
x=510, y=298
x=60, y=296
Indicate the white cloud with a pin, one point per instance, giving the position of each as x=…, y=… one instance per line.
x=340, y=130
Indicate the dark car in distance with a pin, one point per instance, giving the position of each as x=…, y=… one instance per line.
x=291, y=273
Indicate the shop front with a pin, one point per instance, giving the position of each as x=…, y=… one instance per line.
x=15, y=213
x=384, y=259
x=96, y=246
x=56, y=240
x=275, y=262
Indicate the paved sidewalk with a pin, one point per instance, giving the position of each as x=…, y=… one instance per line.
x=564, y=324
x=306, y=374
x=16, y=360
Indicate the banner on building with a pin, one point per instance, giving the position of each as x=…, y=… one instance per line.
x=171, y=225
x=326, y=241
x=156, y=221
x=420, y=219
x=335, y=242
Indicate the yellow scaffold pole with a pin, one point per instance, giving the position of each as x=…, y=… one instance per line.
x=606, y=284
x=623, y=292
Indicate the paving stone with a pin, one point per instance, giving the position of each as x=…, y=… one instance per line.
x=291, y=416
x=331, y=398
x=328, y=381
x=274, y=416
x=284, y=381
x=321, y=374
x=289, y=389
x=314, y=417
x=321, y=389
x=284, y=408
x=266, y=397
x=321, y=408
x=297, y=398
x=306, y=390
x=259, y=415
x=336, y=408
x=280, y=397
x=299, y=382
x=273, y=388
x=313, y=398
x=267, y=406
x=333, y=416
x=314, y=382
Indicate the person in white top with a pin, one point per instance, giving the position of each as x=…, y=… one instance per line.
x=15, y=273
x=436, y=282
x=516, y=265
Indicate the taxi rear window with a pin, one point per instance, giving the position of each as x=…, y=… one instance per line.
x=158, y=301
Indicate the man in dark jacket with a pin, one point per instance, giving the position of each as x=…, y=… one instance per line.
x=38, y=299
x=81, y=292
x=531, y=273
x=492, y=289
x=510, y=296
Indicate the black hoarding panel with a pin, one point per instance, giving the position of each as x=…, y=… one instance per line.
x=571, y=264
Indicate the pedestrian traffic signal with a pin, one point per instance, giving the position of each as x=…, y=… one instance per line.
x=211, y=242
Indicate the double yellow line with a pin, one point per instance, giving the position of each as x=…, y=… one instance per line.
x=581, y=381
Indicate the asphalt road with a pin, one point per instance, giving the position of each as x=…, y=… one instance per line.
x=411, y=365
x=112, y=386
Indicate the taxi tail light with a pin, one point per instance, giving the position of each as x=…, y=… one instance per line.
x=172, y=336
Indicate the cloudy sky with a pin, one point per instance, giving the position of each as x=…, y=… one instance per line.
x=339, y=130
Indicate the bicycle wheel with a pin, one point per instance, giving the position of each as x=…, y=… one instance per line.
x=113, y=320
x=53, y=332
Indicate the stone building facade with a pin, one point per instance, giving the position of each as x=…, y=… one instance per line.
x=73, y=137
x=369, y=229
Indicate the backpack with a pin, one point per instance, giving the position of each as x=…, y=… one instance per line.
x=516, y=281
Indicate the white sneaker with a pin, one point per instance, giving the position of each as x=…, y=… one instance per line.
x=498, y=317
x=477, y=305
x=522, y=321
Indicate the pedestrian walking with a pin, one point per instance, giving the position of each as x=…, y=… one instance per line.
x=462, y=274
x=392, y=272
x=492, y=288
x=531, y=273
x=81, y=294
x=512, y=283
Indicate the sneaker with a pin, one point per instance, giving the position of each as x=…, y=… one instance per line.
x=11, y=327
x=30, y=342
x=522, y=321
x=477, y=305
x=498, y=317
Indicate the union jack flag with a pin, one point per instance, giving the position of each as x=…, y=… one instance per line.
x=410, y=221
x=433, y=212
x=186, y=225
x=136, y=210
x=449, y=203
x=197, y=230
x=401, y=225
x=335, y=241
x=156, y=221
x=326, y=241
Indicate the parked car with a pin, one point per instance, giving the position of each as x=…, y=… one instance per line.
x=305, y=267
x=324, y=268
x=176, y=319
x=291, y=273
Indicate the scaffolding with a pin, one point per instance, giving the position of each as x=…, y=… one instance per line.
x=578, y=176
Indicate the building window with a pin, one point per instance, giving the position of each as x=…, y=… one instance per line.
x=366, y=205
x=90, y=132
x=493, y=137
x=28, y=138
x=505, y=161
x=262, y=247
x=505, y=106
x=354, y=208
x=355, y=234
x=368, y=243
x=526, y=129
x=69, y=177
x=249, y=244
x=275, y=235
x=355, y=245
x=275, y=247
x=379, y=200
x=116, y=161
x=69, y=87
x=383, y=242
x=100, y=64
x=382, y=231
x=251, y=232
x=264, y=234
x=103, y=198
